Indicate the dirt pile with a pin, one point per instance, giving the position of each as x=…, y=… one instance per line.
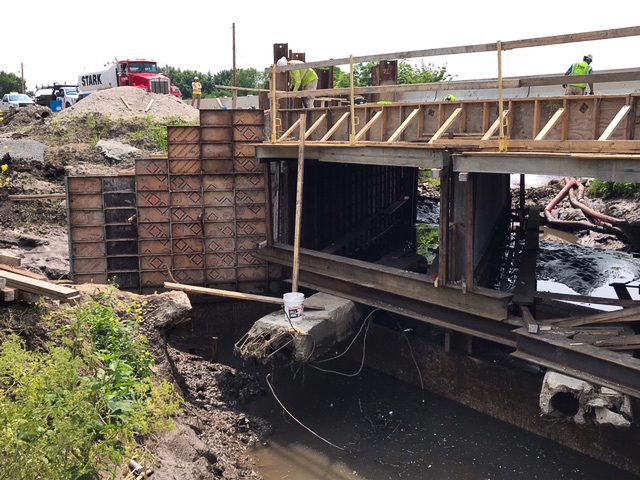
x=110, y=102
x=26, y=116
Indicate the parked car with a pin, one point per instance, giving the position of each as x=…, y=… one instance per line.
x=67, y=94
x=15, y=100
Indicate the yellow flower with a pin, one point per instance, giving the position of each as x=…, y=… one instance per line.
x=4, y=167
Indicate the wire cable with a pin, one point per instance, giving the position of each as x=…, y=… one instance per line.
x=298, y=421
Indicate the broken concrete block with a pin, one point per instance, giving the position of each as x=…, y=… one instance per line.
x=117, y=151
x=307, y=337
x=581, y=402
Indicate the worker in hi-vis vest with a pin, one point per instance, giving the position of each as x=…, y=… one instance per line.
x=196, y=92
x=303, y=79
x=580, y=68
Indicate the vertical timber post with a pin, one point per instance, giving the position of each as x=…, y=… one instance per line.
x=352, y=131
x=234, y=98
x=502, y=142
x=274, y=106
x=296, y=234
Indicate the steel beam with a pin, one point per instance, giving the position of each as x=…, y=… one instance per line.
x=481, y=302
x=615, y=168
x=498, y=332
x=418, y=156
x=615, y=370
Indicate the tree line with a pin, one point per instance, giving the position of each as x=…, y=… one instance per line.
x=254, y=78
x=9, y=82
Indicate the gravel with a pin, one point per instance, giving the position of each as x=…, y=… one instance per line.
x=109, y=102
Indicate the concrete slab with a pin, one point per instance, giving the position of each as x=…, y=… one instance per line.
x=309, y=336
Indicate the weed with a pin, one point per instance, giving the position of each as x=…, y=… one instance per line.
x=602, y=189
x=76, y=410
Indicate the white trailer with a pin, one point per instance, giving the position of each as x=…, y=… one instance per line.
x=100, y=80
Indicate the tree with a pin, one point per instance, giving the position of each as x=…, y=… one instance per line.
x=9, y=82
x=247, y=77
x=407, y=73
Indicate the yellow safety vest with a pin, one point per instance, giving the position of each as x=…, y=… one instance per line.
x=580, y=68
x=303, y=77
x=197, y=88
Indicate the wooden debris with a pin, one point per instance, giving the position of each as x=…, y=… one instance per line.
x=625, y=342
x=624, y=315
x=10, y=260
x=38, y=196
x=8, y=294
x=22, y=271
x=126, y=104
x=149, y=105
x=529, y=321
x=39, y=287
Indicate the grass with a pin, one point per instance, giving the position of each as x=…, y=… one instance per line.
x=144, y=132
x=76, y=409
x=602, y=189
x=426, y=176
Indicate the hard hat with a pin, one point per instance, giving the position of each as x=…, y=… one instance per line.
x=195, y=78
x=282, y=62
x=589, y=57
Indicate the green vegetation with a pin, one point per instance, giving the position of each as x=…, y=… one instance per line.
x=425, y=176
x=599, y=188
x=76, y=409
x=247, y=77
x=9, y=82
x=142, y=132
x=407, y=74
x=427, y=241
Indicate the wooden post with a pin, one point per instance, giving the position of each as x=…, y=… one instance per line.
x=502, y=143
x=296, y=234
x=274, y=105
x=443, y=237
x=22, y=85
x=234, y=98
x=352, y=95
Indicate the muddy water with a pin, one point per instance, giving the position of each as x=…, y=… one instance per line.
x=390, y=430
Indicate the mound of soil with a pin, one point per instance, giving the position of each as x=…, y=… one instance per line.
x=109, y=102
x=26, y=116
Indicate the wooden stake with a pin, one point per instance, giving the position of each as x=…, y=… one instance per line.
x=234, y=98
x=352, y=110
x=502, y=143
x=149, y=104
x=295, y=274
x=274, y=105
x=125, y=103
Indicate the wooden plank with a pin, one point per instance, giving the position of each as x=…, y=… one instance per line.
x=494, y=127
x=447, y=123
x=10, y=260
x=564, y=131
x=289, y=131
x=368, y=125
x=40, y=287
x=545, y=296
x=403, y=126
x=38, y=196
x=469, y=232
x=315, y=125
x=485, y=116
x=550, y=124
x=625, y=315
x=483, y=47
x=596, y=118
x=335, y=127
x=216, y=292
x=614, y=123
x=536, y=118
x=22, y=271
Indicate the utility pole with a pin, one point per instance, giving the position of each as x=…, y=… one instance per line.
x=22, y=77
x=234, y=98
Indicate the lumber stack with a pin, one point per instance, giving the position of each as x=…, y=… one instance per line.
x=16, y=283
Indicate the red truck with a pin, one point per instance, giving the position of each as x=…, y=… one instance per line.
x=135, y=73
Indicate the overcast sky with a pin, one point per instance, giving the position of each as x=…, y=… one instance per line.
x=197, y=34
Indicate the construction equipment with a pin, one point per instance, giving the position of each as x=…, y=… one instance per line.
x=142, y=74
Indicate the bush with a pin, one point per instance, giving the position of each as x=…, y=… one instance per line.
x=75, y=410
x=599, y=188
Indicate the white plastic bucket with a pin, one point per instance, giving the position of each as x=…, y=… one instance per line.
x=293, y=305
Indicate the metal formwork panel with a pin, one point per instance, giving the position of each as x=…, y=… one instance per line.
x=103, y=241
x=197, y=215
